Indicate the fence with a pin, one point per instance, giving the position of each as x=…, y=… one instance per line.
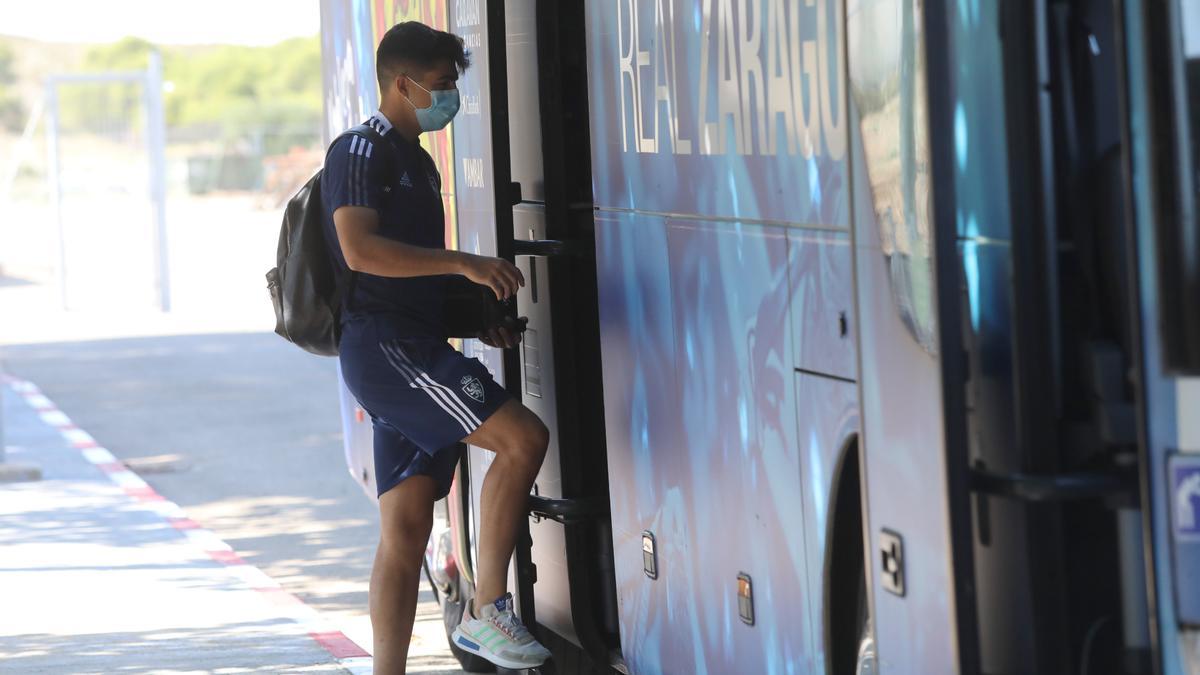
x=106, y=146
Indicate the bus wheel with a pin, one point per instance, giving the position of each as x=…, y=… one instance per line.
x=452, y=613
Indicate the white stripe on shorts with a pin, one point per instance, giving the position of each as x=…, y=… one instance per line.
x=419, y=380
x=438, y=397
x=423, y=376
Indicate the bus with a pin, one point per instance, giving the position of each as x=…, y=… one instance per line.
x=867, y=331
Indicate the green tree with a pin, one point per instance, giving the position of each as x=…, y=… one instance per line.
x=237, y=90
x=242, y=88
x=12, y=112
x=8, y=70
x=101, y=106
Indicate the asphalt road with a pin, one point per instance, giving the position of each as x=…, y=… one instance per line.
x=242, y=430
x=217, y=413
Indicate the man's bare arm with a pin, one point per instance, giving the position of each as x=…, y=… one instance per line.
x=368, y=252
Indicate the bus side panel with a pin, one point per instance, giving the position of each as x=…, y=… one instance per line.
x=827, y=417
x=822, y=315
x=347, y=80
x=905, y=471
x=901, y=399
x=741, y=472
x=713, y=125
x=706, y=460
x=719, y=109
x=641, y=422
x=358, y=440
x=822, y=306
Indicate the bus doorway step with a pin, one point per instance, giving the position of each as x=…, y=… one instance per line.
x=567, y=511
x=1054, y=487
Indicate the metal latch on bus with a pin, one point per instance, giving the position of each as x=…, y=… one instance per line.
x=543, y=248
x=567, y=511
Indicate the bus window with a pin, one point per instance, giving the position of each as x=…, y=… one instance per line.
x=1174, y=116
x=1189, y=12
x=887, y=76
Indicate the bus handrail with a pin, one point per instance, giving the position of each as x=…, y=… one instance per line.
x=1053, y=487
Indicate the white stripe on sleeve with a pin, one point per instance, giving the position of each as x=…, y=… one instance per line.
x=352, y=172
x=364, y=151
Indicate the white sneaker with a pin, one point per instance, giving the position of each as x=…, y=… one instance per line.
x=500, y=637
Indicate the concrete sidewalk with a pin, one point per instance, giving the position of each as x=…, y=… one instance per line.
x=100, y=574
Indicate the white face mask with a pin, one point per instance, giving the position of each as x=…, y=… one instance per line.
x=442, y=108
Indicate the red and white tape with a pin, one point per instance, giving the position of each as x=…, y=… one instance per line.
x=349, y=654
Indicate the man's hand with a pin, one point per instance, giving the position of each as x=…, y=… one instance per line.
x=500, y=337
x=499, y=275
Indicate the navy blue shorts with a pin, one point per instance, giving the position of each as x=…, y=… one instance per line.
x=423, y=397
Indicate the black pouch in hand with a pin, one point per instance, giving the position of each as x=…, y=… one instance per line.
x=470, y=309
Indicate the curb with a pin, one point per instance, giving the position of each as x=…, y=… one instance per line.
x=348, y=654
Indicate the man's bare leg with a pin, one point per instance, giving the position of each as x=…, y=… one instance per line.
x=406, y=517
x=519, y=440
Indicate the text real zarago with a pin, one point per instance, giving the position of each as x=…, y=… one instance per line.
x=760, y=85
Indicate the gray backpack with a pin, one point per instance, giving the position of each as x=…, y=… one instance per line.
x=304, y=286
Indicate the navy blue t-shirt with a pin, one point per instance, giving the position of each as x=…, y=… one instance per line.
x=402, y=183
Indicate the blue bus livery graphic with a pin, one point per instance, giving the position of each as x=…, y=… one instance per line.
x=720, y=110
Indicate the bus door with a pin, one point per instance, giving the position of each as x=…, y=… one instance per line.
x=522, y=148
x=1062, y=204
x=560, y=359
x=1161, y=129
x=909, y=333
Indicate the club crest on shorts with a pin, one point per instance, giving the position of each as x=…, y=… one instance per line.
x=472, y=387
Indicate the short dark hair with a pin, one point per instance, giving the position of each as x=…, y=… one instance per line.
x=414, y=43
